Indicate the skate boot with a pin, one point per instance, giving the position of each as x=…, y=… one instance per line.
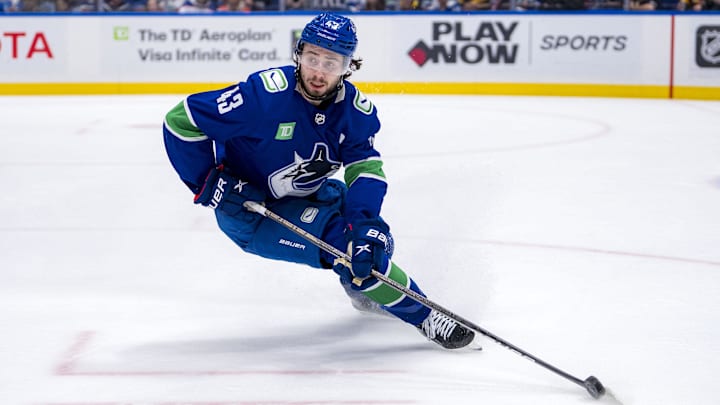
x=444, y=331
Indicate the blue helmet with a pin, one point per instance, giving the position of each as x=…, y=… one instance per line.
x=333, y=32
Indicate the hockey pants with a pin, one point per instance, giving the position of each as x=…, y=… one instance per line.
x=320, y=214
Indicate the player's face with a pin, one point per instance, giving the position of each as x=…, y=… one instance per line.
x=321, y=69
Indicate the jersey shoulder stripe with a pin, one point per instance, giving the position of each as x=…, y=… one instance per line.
x=180, y=124
x=368, y=168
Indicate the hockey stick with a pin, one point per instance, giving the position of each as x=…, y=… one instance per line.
x=593, y=386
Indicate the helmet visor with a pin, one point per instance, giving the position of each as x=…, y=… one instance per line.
x=327, y=62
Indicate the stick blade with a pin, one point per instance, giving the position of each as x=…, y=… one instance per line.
x=594, y=387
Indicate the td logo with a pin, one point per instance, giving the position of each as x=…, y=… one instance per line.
x=121, y=33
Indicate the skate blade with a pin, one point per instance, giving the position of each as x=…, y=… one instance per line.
x=474, y=346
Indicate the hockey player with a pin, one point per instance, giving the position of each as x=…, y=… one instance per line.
x=277, y=138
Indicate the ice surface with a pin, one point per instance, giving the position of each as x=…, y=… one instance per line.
x=585, y=231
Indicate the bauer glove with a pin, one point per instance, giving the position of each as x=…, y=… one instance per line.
x=226, y=192
x=370, y=246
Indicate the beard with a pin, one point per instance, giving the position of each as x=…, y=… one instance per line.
x=317, y=85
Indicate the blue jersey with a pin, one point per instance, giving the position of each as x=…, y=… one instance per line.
x=264, y=131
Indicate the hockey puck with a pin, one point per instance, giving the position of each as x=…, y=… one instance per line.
x=594, y=387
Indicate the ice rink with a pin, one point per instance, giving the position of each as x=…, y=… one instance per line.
x=585, y=231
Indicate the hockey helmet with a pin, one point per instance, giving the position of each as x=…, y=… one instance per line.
x=331, y=31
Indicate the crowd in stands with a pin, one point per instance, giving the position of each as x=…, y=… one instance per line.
x=245, y=6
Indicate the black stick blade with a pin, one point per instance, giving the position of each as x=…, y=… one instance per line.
x=594, y=387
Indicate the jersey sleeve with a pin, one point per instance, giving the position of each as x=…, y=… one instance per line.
x=195, y=130
x=364, y=173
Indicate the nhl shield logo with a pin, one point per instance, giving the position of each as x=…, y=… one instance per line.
x=707, y=46
x=319, y=118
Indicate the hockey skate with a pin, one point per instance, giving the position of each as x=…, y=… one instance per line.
x=444, y=331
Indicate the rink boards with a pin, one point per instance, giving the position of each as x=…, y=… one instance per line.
x=595, y=54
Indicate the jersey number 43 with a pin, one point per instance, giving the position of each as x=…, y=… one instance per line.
x=229, y=100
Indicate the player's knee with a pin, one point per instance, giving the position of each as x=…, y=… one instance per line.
x=313, y=215
x=239, y=228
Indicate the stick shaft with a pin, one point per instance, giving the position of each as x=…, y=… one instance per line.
x=260, y=209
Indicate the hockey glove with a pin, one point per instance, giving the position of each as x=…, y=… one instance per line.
x=226, y=192
x=369, y=246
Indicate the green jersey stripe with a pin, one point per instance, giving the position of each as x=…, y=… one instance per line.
x=180, y=124
x=366, y=168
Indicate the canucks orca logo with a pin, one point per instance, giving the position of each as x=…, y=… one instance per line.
x=304, y=176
